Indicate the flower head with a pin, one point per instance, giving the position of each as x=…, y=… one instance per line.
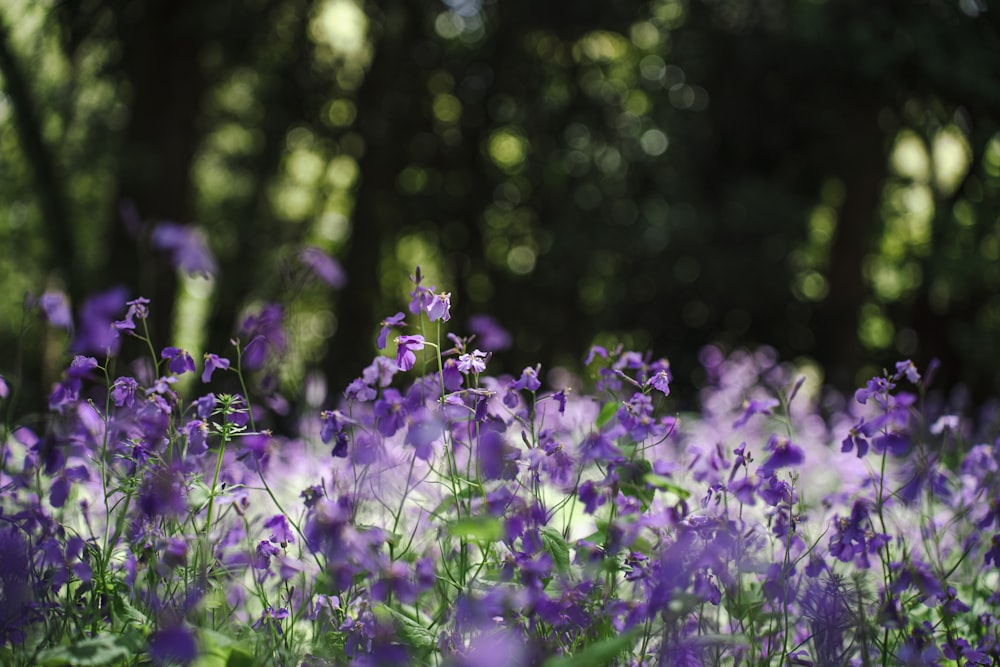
x=188, y=248
x=55, y=306
x=325, y=267
x=180, y=361
x=474, y=362
x=383, y=333
x=213, y=362
x=405, y=351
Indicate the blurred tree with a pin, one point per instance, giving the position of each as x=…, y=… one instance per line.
x=817, y=176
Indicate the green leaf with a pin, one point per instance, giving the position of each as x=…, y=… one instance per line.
x=104, y=649
x=608, y=410
x=483, y=528
x=666, y=484
x=553, y=542
x=599, y=653
x=415, y=634
x=219, y=650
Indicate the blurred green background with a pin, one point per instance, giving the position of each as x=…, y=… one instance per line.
x=817, y=176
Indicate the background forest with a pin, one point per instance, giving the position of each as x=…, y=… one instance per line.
x=817, y=176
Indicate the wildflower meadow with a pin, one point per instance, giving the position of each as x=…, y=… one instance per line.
x=435, y=513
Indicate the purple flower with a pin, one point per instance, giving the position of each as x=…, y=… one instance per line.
x=854, y=538
x=188, y=248
x=281, y=532
x=877, y=388
x=387, y=323
x=439, y=307
x=213, y=362
x=324, y=266
x=528, y=380
x=660, y=381
x=4, y=389
x=173, y=645
x=123, y=391
x=994, y=551
x=380, y=371
x=265, y=551
x=908, y=370
x=756, y=408
x=489, y=334
x=405, y=347
x=474, y=362
x=918, y=575
x=180, y=361
x=359, y=390
x=422, y=432
x=597, y=447
x=136, y=308
x=595, y=351
x=96, y=335
x=55, y=306
x=204, y=406
x=783, y=455
x=390, y=412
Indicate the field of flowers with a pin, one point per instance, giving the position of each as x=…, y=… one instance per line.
x=434, y=514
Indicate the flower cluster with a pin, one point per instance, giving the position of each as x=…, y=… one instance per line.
x=439, y=514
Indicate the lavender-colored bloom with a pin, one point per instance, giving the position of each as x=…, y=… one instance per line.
x=595, y=351
x=597, y=447
x=188, y=248
x=204, y=406
x=281, y=531
x=405, y=351
x=4, y=389
x=95, y=333
x=489, y=334
x=123, y=391
x=55, y=307
x=474, y=362
x=387, y=323
x=783, y=454
x=390, y=412
x=196, y=432
x=497, y=459
x=422, y=432
x=661, y=381
x=136, y=308
x=907, y=369
x=439, y=307
x=324, y=266
x=878, y=388
x=528, y=380
x=359, y=390
x=332, y=426
x=961, y=648
x=173, y=645
x=636, y=416
x=265, y=551
x=213, y=362
x=854, y=539
x=756, y=408
x=591, y=496
x=993, y=554
x=179, y=361
x=380, y=371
